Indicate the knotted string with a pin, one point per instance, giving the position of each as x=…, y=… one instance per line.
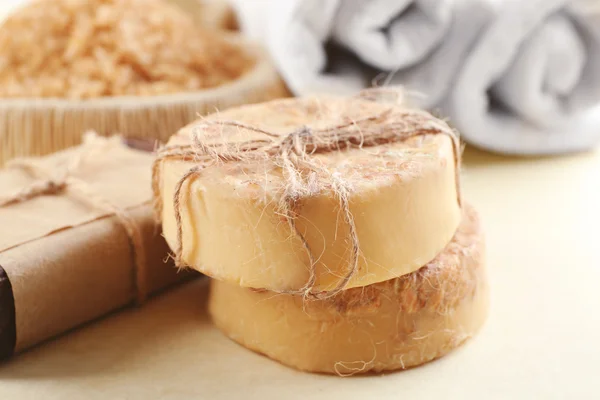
x=48, y=185
x=301, y=172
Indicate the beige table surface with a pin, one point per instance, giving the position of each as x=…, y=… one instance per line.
x=542, y=339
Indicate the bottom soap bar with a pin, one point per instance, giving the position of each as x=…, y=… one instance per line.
x=390, y=325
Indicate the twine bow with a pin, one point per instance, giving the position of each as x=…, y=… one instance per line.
x=47, y=184
x=303, y=174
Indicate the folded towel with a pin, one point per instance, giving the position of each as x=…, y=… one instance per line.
x=531, y=83
x=342, y=46
x=513, y=76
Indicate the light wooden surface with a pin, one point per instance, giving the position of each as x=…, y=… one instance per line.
x=542, y=339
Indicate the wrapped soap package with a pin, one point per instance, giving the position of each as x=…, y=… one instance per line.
x=77, y=240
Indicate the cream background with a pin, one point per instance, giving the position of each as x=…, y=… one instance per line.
x=540, y=342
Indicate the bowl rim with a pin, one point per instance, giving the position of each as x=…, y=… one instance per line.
x=263, y=66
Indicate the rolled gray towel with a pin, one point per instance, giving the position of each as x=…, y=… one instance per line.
x=514, y=76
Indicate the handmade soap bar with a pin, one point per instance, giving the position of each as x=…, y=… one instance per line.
x=310, y=194
x=390, y=325
x=77, y=240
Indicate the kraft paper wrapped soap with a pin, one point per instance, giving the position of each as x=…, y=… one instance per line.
x=396, y=324
x=313, y=195
x=77, y=240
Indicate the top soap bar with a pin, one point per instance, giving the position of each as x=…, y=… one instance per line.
x=311, y=194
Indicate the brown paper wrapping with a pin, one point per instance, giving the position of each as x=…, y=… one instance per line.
x=42, y=126
x=63, y=261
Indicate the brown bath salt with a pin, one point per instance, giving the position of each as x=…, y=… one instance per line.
x=310, y=195
x=397, y=324
x=81, y=49
x=139, y=68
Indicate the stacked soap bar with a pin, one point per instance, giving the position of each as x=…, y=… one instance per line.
x=333, y=227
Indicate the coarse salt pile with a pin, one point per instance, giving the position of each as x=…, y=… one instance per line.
x=81, y=49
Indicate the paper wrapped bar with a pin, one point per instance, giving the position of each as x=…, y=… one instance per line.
x=77, y=240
